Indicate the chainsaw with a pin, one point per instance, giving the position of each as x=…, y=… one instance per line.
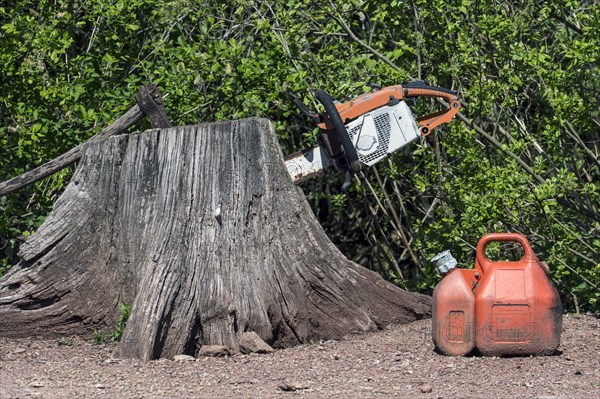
x=367, y=129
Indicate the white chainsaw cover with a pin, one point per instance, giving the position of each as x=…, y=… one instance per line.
x=382, y=131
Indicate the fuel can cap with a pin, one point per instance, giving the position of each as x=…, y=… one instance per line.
x=444, y=262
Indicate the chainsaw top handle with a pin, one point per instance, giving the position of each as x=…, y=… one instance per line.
x=391, y=95
x=339, y=129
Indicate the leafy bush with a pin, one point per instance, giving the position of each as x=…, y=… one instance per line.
x=527, y=72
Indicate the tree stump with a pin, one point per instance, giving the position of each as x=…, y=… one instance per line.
x=202, y=231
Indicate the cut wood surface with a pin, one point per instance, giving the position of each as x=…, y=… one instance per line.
x=202, y=231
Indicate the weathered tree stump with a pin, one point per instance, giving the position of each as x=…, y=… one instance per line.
x=202, y=231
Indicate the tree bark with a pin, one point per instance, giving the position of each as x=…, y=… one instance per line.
x=202, y=231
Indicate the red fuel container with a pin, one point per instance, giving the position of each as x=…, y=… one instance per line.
x=517, y=308
x=453, y=313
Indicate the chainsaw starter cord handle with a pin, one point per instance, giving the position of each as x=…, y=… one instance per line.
x=339, y=129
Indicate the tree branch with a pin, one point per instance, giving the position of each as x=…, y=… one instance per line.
x=62, y=161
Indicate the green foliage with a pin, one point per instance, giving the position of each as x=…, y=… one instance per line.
x=115, y=334
x=527, y=72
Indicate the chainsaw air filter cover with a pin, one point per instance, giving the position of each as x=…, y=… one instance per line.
x=382, y=131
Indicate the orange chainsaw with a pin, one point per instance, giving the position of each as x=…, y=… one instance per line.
x=367, y=129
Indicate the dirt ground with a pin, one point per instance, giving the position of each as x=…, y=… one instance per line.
x=398, y=362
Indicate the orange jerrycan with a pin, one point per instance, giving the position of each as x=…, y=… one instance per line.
x=517, y=309
x=453, y=313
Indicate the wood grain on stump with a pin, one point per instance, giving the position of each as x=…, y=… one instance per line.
x=202, y=231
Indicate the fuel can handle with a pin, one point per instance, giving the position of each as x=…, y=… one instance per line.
x=484, y=262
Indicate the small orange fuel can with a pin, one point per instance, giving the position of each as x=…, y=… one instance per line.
x=498, y=308
x=453, y=313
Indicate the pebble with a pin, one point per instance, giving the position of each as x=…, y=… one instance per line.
x=251, y=342
x=184, y=358
x=292, y=386
x=426, y=388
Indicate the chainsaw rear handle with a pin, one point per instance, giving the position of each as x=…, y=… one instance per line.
x=431, y=121
x=340, y=129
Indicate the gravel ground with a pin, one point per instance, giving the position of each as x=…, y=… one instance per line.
x=398, y=362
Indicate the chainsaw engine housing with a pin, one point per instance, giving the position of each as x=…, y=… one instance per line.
x=382, y=131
